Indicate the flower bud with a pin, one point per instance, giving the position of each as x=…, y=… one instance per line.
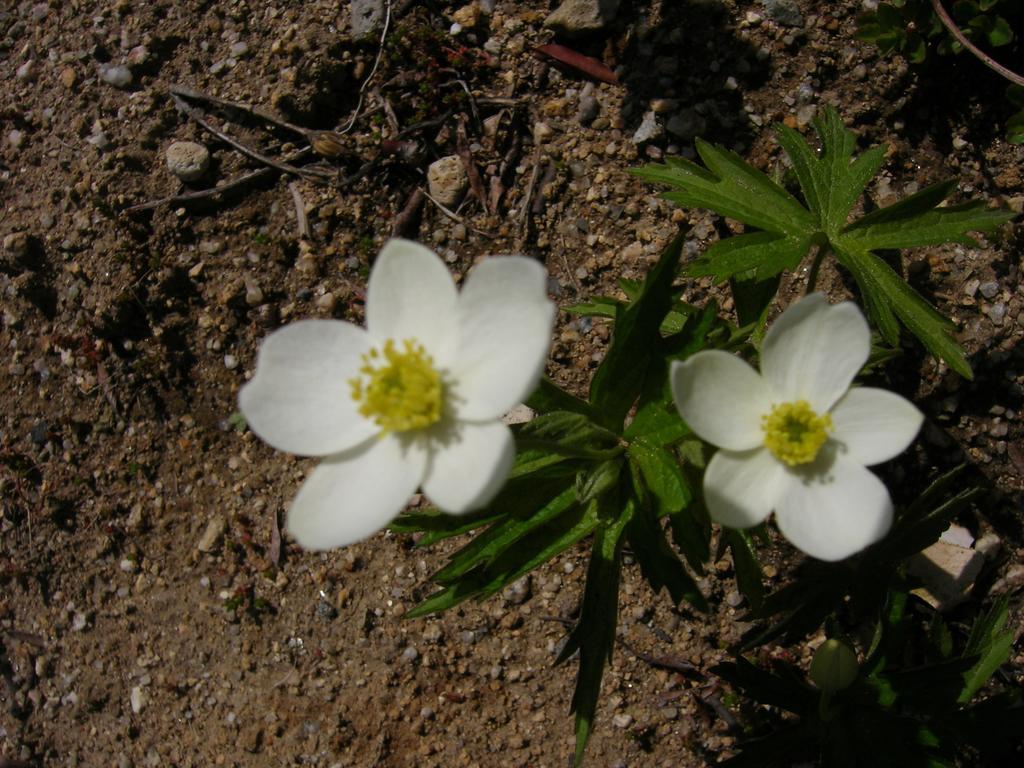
x=834, y=666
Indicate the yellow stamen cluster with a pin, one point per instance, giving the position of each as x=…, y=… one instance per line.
x=794, y=433
x=399, y=389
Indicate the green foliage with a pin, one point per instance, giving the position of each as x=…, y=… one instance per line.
x=585, y=467
x=908, y=706
x=859, y=583
x=911, y=28
x=832, y=181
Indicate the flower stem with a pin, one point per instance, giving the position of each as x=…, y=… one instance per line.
x=985, y=59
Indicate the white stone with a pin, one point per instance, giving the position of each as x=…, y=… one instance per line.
x=448, y=180
x=188, y=160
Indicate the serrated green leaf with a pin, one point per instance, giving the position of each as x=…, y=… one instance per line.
x=908, y=224
x=597, y=479
x=619, y=379
x=830, y=181
x=877, y=279
x=502, y=535
x=991, y=643
x=567, y=433
x=659, y=563
x=658, y=423
x=536, y=548
x=732, y=188
x=765, y=254
x=789, y=693
x=1000, y=32
x=662, y=474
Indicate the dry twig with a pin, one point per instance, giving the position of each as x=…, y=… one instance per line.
x=313, y=174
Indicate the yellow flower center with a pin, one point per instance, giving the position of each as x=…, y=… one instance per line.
x=794, y=433
x=399, y=389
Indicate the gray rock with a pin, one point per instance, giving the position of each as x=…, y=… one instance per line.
x=649, y=129
x=989, y=289
x=213, y=533
x=448, y=180
x=589, y=107
x=188, y=160
x=687, y=124
x=578, y=17
x=116, y=75
x=784, y=12
x=366, y=17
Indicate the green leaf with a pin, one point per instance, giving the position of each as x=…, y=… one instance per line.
x=658, y=423
x=1000, y=33
x=596, y=480
x=748, y=569
x=890, y=295
x=789, y=693
x=662, y=474
x=594, y=633
x=550, y=397
x=832, y=181
x=502, y=535
x=989, y=641
x=537, y=547
x=567, y=433
x=659, y=563
x=915, y=221
x=636, y=337
x=762, y=254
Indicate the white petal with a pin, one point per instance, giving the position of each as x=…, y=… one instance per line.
x=836, y=512
x=874, y=425
x=740, y=489
x=813, y=351
x=299, y=400
x=469, y=466
x=505, y=321
x=411, y=295
x=722, y=399
x=354, y=494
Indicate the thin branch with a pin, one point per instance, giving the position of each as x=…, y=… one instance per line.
x=306, y=173
x=373, y=69
x=188, y=197
x=301, y=221
x=190, y=93
x=988, y=61
x=455, y=217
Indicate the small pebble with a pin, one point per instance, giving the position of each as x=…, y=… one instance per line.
x=622, y=721
x=188, y=160
x=230, y=362
x=116, y=75
x=26, y=73
x=410, y=654
x=138, y=699
x=989, y=289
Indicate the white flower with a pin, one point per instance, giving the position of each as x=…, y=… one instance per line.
x=795, y=438
x=411, y=401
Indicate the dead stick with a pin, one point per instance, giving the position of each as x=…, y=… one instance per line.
x=307, y=173
x=300, y=212
x=199, y=194
x=403, y=226
x=988, y=61
x=189, y=93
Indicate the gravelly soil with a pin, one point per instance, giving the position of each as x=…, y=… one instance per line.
x=147, y=617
